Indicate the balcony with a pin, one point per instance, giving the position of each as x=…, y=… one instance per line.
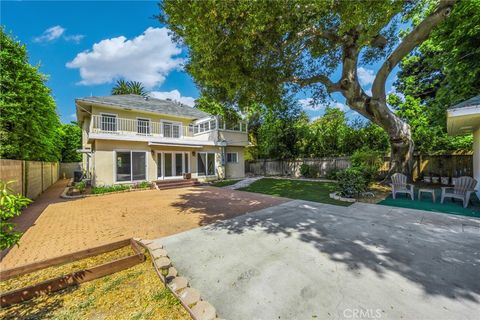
x=203, y=131
x=112, y=125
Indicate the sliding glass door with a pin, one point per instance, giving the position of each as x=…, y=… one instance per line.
x=174, y=164
x=168, y=164
x=131, y=166
x=206, y=164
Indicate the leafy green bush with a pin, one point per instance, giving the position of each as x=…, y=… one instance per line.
x=143, y=185
x=81, y=186
x=368, y=161
x=351, y=182
x=11, y=205
x=107, y=189
x=308, y=171
x=332, y=174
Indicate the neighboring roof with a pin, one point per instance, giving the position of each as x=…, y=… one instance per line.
x=149, y=104
x=464, y=117
x=475, y=101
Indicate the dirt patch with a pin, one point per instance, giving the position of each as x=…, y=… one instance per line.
x=74, y=225
x=134, y=293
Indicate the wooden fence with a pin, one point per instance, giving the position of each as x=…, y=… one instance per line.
x=451, y=165
x=30, y=178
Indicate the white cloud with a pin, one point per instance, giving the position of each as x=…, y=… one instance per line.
x=50, y=34
x=74, y=37
x=365, y=76
x=174, y=95
x=53, y=33
x=147, y=58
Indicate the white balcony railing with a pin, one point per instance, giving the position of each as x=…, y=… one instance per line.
x=109, y=124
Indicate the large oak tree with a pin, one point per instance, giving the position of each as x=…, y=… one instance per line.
x=243, y=51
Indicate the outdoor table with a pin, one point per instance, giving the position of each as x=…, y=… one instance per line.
x=426, y=190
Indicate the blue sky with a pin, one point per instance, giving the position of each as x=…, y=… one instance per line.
x=84, y=46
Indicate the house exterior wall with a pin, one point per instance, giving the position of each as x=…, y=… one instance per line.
x=104, y=160
x=235, y=170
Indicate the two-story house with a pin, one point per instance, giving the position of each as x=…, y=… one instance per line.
x=130, y=138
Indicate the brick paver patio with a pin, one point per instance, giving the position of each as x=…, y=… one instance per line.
x=68, y=226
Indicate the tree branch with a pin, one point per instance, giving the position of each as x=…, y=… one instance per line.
x=418, y=35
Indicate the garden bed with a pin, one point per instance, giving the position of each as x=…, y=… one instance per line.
x=134, y=293
x=73, y=192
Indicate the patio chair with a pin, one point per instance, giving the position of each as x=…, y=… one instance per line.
x=399, y=185
x=463, y=188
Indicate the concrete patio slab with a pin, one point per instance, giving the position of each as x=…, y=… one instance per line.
x=301, y=259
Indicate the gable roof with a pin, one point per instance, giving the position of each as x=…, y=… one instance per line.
x=137, y=102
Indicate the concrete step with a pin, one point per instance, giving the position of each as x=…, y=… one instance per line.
x=171, y=184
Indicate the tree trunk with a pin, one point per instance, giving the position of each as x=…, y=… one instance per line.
x=401, y=143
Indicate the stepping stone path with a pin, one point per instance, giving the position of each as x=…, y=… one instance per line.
x=190, y=297
x=242, y=183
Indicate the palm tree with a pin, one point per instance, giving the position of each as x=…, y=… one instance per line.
x=129, y=87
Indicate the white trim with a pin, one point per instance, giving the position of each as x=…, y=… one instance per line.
x=180, y=130
x=149, y=120
x=465, y=111
x=131, y=163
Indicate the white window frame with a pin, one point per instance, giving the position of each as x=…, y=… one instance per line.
x=162, y=165
x=111, y=115
x=131, y=162
x=149, y=120
x=180, y=129
x=236, y=157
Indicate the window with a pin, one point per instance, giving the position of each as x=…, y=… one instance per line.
x=213, y=124
x=206, y=164
x=232, y=157
x=171, y=130
x=143, y=126
x=108, y=122
x=131, y=166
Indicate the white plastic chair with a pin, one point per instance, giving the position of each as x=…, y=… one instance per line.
x=399, y=185
x=463, y=189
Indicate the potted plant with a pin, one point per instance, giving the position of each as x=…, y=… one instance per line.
x=435, y=179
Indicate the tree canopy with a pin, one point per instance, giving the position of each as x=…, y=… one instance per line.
x=29, y=123
x=257, y=52
x=442, y=72
x=129, y=87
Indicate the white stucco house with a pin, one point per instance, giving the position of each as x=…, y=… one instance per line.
x=130, y=138
x=464, y=118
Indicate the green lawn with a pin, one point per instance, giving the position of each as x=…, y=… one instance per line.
x=224, y=183
x=296, y=189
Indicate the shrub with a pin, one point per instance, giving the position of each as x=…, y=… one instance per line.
x=143, y=185
x=332, y=174
x=351, y=182
x=10, y=206
x=81, y=186
x=308, y=171
x=368, y=161
x=107, y=189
